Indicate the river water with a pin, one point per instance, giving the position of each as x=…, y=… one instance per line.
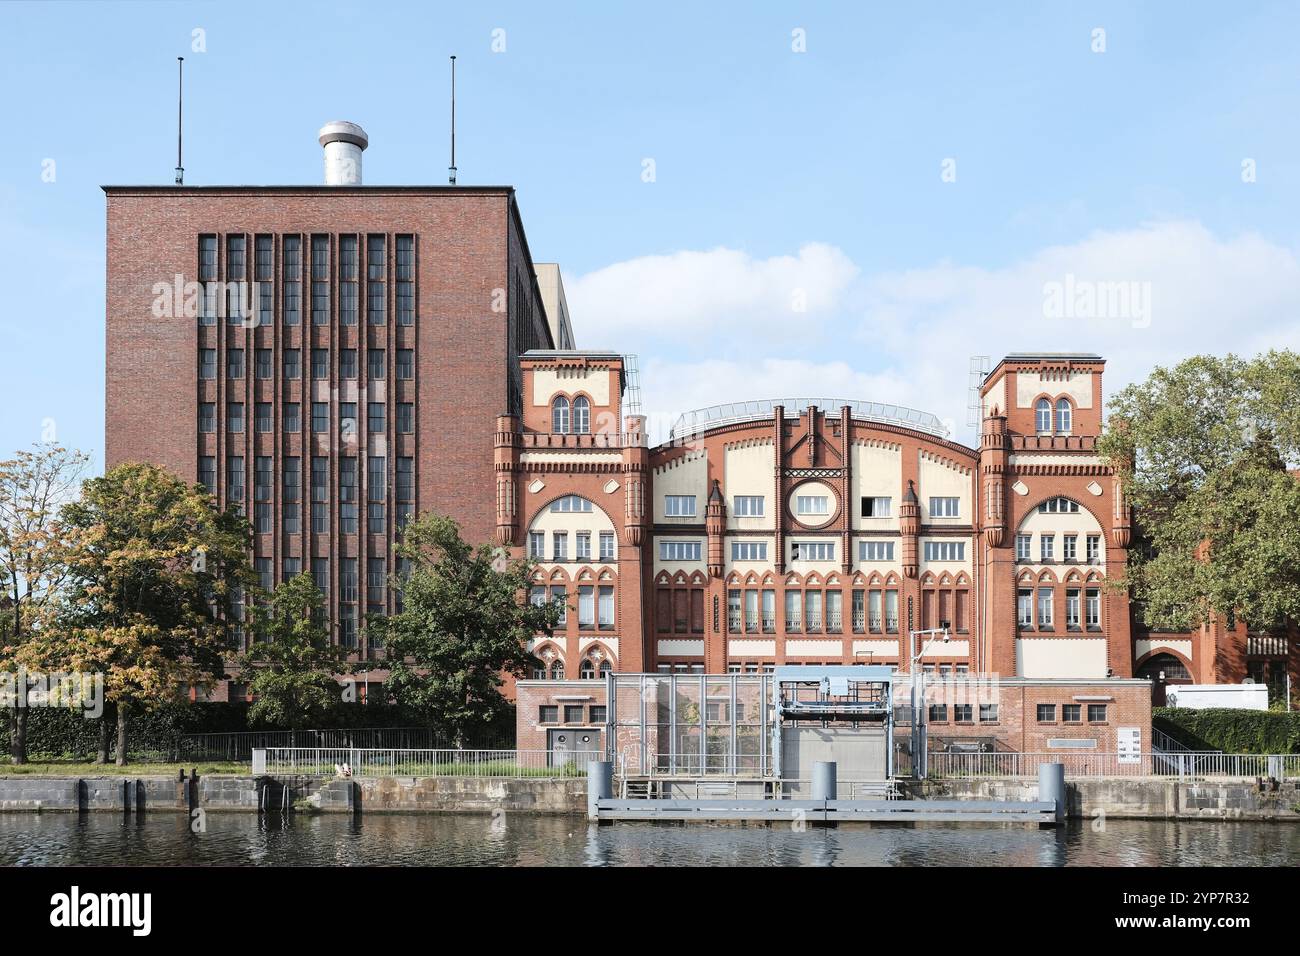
x=518, y=839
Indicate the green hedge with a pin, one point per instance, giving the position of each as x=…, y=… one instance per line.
x=1232, y=731
x=64, y=733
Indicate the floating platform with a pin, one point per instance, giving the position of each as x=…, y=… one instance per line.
x=830, y=811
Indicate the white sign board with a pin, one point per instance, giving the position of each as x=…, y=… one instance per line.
x=1128, y=744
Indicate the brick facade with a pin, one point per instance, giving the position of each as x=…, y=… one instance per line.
x=475, y=306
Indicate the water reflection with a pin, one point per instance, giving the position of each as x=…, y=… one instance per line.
x=518, y=839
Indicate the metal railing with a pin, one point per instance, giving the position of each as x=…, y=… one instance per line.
x=393, y=762
x=239, y=745
x=697, y=420
x=1182, y=764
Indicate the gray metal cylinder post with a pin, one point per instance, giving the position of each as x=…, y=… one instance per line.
x=824, y=784
x=1051, y=787
x=600, y=784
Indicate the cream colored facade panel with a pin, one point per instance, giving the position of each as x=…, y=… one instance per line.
x=751, y=648
x=570, y=380
x=1142, y=647
x=807, y=648
x=939, y=480
x=1061, y=658
x=877, y=473
x=747, y=470
x=673, y=566
x=1078, y=388
x=687, y=476
x=876, y=648
x=680, y=647
x=745, y=567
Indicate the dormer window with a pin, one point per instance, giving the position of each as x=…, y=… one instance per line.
x=560, y=415
x=1063, y=416
x=581, y=415
x=1043, y=416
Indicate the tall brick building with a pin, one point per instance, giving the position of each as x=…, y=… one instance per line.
x=330, y=358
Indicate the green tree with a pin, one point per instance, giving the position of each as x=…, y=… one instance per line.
x=33, y=486
x=465, y=622
x=153, y=567
x=1203, y=450
x=291, y=665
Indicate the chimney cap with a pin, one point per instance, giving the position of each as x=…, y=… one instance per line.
x=341, y=131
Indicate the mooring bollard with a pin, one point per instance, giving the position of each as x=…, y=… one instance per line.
x=600, y=785
x=1051, y=787
x=824, y=782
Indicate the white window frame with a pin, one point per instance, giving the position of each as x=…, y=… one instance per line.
x=812, y=551
x=945, y=551
x=807, y=505
x=749, y=551
x=670, y=550
x=879, y=510
x=675, y=505
x=571, y=503
x=884, y=550
x=749, y=506
x=945, y=506
x=1024, y=545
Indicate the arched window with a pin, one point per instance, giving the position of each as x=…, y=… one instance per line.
x=586, y=671
x=557, y=670
x=1173, y=668
x=539, y=670
x=1063, y=415
x=560, y=416
x=1044, y=416
x=581, y=415
x=605, y=668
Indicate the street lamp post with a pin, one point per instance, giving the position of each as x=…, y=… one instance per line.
x=919, y=744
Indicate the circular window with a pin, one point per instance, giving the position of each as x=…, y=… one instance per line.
x=813, y=504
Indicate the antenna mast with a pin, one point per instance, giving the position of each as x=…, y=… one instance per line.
x=180, y=94
x=451, y=170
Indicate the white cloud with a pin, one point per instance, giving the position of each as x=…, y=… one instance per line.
x=915, y=330
x=666, y=294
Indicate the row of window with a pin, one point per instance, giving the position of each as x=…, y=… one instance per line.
x=963, y=713
x=812, y=506
x=1069, y=548
x=670, y=550
x=573, y=713
x=595, y=604
x=349, y=593
x=560, y=546
x=257, y=301
x=1071, y=713
x=1046, y=608
x=292, y=485
x=291, y=363
x=1043, y=416
x=571, y=417
x=291, y=417
x=754, y=610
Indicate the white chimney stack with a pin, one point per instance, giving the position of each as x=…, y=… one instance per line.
x=343, y=142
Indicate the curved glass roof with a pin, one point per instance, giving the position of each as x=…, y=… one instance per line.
x=692, y=422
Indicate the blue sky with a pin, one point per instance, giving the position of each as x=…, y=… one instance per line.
x=780, y=177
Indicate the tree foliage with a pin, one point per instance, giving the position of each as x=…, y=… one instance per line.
x=291, y=664
x=465, y=622
x=33, y=486
x=1204, y=451
x=151, y=565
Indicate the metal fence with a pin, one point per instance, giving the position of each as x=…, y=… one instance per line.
x=237, y=746
x=1181, y=764
x=395, y=762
